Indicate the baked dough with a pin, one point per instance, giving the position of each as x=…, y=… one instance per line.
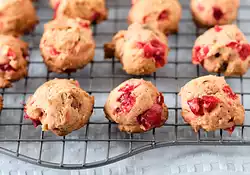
x=60, y=106
x=141, y=49
x=67, y=44
x=208, y=102
x=208, y=13
x=17, y=17
x=137, y=106
x=223, y=49
x=162, y=14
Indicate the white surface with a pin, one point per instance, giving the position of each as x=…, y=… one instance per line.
x=172, y=160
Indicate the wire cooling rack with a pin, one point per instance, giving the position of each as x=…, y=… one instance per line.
x=99, y=142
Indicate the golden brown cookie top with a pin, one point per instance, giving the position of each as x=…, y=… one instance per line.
x=60, y=105
x=142, y=49
x=92, y=10
x=17, y=17
x=13, y=52
x=13, y=59
x=212, y=12
x=222, y=49
x=221, y=35
x=208, y=102
x=136, y=102
x=163, y=14
x=67, y=33
x=67, y=44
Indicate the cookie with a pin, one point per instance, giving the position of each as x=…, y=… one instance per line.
x=67, y=44
x=92, y=10
x=214, y=12
x=13, y=60
x=141, y=49
x=162, y=14
x=222, y=49
x=17, y=17
x=136, y=106
x=209, y=103
x=60, y=106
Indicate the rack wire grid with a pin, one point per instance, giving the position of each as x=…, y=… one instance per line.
x=99, y=142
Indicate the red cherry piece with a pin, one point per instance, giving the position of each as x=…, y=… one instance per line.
x=35, y=122
x=11, y=54
x=230, y=130
x=210, y=102
x=200, y=53
x=160, y=99
x=196, y=54
x=229, y=92
x=151, y=118
x=140, y=45
x=53, y=51
x=217, y=28
x=25, y=55
x=84, y=24
x=206, y=50
x=26, y=116
x=144, y=19
x=217, y=13
x=242, y=49
x=163, y=15
x=56, y=8
x=57, y=4
x=200, y=7
x=157, y=50
x=196, y=106
x=77, y=83
x=95, y=16
x=6, y=67
x=118, y=110
x=245, y=51
x=127, y=99
x=148, y=51
x=128, y=88
x=233, y=45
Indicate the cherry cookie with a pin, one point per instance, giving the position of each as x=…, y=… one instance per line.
x=209, y=103
x=17, y=17
x=67, y=44
x=163, y=14
x=141, y=49
x=214, y=12
x=222, y=49
x=13, y=60
x=60, y=106
x=137, y=106
x=93, y=10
